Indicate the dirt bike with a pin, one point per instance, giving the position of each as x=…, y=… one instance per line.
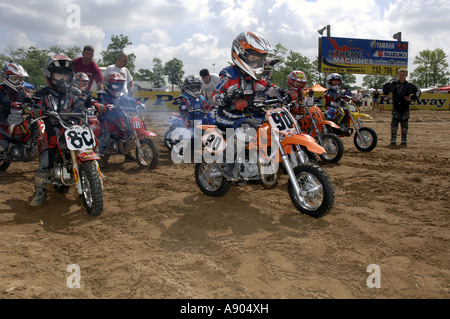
x=313, y=122
x=349, y=119
x=122, y=141
x=75, y=162
x=22, y=139
x=181, y=133
x=276, y=139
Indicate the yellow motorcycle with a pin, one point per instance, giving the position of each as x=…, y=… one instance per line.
x=349, y=118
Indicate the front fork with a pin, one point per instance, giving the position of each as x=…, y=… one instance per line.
x=138, y=145
x=288, y=165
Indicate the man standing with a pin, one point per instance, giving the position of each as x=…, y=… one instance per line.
x=86, y=65
x=358, y=98
x=120, y=67
x=402, y=92
x=209, y=83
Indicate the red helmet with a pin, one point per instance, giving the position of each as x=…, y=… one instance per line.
x=297, y=80
x=13, y=75
x=114, y=83
x=81, y=80
x=58, y=70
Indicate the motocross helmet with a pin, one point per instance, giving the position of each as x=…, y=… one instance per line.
x=297, y=80
x=249, y=51
x=81, y=81
x=334, y=81
x=58, y=71
x=192, y=85
x=13, y=75
x=114, y=83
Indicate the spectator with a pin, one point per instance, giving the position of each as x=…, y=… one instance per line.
x=358, y=99
x=375, y=96
x=86, y=65
x=120, y=67
x=402, y=92
x=209, y=83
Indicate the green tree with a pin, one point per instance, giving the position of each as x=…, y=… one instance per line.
x=143, y=75
x=33, y=60
x=432, y=69
x=374, y=81
x=158, y=73
x=174, y=71
x=117, y=45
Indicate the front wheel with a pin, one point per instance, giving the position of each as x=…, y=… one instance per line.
x=368, y=140
x=334, y=148
x=210, y=180
x=149, y=156
x=91, y=185
x=316, y=196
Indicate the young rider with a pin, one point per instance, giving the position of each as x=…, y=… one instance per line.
x=57, y=96
x=333, y=95
x=12, y=95
x=242, y=82
x=297, y=82
x=191, y=97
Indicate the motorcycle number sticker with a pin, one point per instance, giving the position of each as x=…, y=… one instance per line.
x=282, y=121
x=79, y=139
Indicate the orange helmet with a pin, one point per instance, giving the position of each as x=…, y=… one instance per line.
x=297, y=80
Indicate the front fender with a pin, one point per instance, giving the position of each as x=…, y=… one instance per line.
x=330, y=123
x=87, y=156
x=358, y=115
x=302, y=139
x=142, y=134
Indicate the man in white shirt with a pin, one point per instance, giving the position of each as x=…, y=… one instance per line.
x=209, y=83
x=358, y=98
x=122, y=60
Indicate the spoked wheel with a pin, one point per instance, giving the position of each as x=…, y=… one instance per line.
x=168, y=138
x=368, y=140
x=91, y=184
x=334, y=148
x=209, y=179
x=149, y=156
x=316, y=195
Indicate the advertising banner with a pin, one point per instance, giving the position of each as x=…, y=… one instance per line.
x=360, y=56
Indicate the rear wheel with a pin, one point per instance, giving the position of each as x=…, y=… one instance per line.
x=210, y=180
x=92, y=193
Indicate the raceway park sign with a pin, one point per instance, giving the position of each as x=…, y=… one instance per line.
x=359, y=56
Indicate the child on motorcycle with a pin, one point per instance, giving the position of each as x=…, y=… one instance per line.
x=12, y=95
x=242, y=82
x=113, y=96
x=57, y=96
x=297, y=82
x=191, y=98
x=333, y=95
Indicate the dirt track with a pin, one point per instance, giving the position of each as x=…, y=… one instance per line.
x=160, y=237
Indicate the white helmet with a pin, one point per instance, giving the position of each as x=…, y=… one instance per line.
x=249, y=51
x=13, y=75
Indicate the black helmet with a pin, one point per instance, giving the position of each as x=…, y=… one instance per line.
x=192, y=85
x=58, y=70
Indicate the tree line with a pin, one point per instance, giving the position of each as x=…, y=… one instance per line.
x=431, y=70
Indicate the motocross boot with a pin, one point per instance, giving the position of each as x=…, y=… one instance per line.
x=40, y=195
x=129, y=157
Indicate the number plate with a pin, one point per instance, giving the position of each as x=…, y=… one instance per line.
x=79, y=139
x=282, y=121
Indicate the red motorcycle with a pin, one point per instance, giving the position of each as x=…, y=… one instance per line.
x=121, y=142
x=24, y=133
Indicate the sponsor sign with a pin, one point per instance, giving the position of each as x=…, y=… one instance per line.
x=360, y=56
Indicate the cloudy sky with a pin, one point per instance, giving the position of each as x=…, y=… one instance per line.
x=200, y=32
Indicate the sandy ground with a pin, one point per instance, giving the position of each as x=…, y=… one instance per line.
x=159, y=237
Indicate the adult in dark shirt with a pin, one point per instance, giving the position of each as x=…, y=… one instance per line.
x=402, y=92
x=86, y=65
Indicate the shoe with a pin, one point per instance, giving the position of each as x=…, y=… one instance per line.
x=129, y=158
x=403, y=144
x=40, y=196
